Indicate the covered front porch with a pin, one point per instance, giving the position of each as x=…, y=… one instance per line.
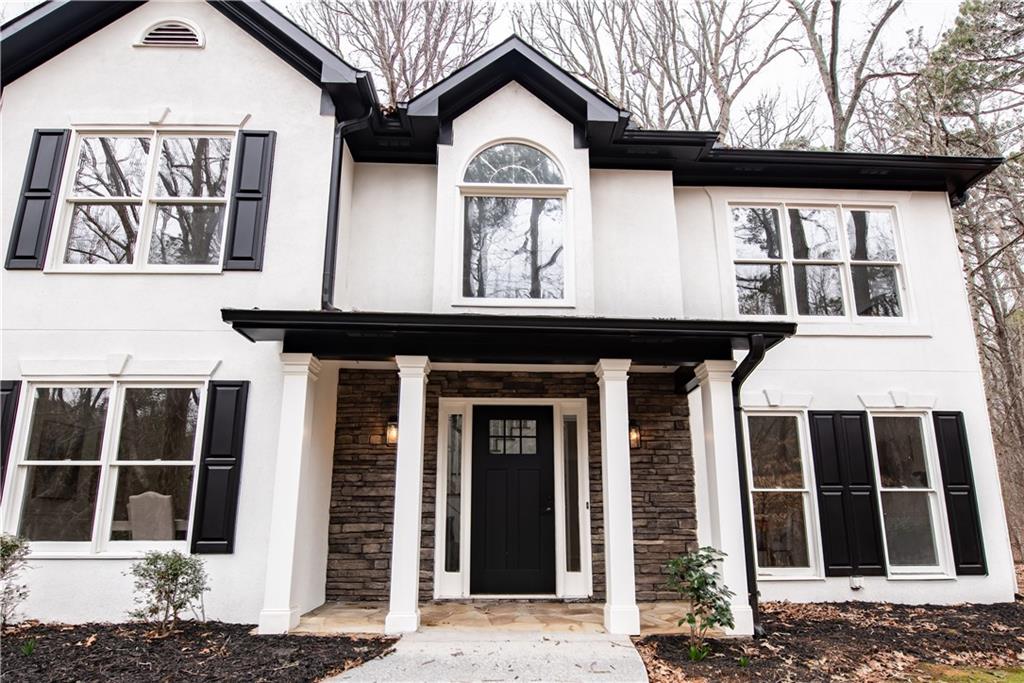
x=520, y=468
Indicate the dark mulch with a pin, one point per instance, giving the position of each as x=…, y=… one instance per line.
x=851, y=641
x=198, y=651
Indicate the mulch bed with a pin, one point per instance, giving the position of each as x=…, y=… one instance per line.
x=198, y=651
x=851, y=641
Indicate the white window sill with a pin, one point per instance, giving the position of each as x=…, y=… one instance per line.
x=921, y=577
x=790, y=577
x=512, y=304
x=170, y=270
x=107, y=555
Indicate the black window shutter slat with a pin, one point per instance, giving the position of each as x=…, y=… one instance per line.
x=9, y=392
x=250, y=200
x=850, y=525
x=213, y=528
x=38, y=200
x=961, y=497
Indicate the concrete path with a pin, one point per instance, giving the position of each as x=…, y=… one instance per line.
x=453, y=656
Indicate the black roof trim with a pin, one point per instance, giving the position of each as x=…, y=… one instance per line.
x=500, y=338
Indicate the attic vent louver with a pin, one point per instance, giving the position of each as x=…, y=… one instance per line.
x=171, y=34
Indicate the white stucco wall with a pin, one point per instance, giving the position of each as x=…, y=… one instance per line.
x=50, y=316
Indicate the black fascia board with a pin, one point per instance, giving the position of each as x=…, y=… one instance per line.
x=500, y=338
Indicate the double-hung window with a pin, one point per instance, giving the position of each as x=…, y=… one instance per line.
x=105, y=466
x=828, y=261
x=146, y=200
x=513, y=227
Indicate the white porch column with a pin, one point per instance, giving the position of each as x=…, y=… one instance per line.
x=620, y=611
x=280, y=613
x=403, y=612
x=724, y=516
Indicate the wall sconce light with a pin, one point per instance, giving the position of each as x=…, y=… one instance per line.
x=391, y=431
x=634, y=434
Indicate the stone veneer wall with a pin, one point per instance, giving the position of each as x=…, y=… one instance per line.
x=664, y=516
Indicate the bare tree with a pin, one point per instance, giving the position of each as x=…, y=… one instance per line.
x=408, y=45
x=773, y=122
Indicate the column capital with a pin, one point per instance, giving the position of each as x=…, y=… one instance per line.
x=300, y=363
x=613, y=368
x=715, y=371
x=413, y=366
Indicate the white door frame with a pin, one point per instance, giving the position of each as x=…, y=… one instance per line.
x=454, y=585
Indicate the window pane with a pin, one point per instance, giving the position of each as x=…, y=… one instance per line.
x=512, y=248
x=781, y=531
x=186, y=234
x=872, y=235
x=775, y=452
x=900, y=448
x=158, y=424
x=815, y=233
x=756, y=232
x=152, y=503
x=60, y=503
x=111, y=166
x=453, y=498
x=819, y=290
x=67, y=423
x=759, y=289
x=513, y=163
x=103, y=233
x=570, y=449
x=193, y=167
x=908, y=528
x=876, y=291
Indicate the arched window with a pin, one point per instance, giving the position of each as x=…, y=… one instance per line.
x=513, y=237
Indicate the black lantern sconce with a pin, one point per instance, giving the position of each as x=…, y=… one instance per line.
x=634, y=434
x=391, y=431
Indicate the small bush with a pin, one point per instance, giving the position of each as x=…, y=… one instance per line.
x=167, y=584
x=695, y=577
x=13, y=559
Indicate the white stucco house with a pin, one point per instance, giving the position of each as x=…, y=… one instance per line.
x=498, y=343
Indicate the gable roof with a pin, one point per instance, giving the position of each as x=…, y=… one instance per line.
x=41, y=33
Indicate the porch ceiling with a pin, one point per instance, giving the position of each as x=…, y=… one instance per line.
x=470, y=338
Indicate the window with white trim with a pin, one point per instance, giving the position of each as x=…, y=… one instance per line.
x=513, y=226
x=829, y=261
x=146, y=200
x=108, y=465
x=780, y=494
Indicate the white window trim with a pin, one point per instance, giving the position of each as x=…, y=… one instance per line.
x=563, y=192
x=61, y=227
x=455, y=585
x=936, y=500
x=903, y=325
x=100, y=546
x=812, y=532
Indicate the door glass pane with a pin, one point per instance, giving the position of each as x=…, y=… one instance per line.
x=759, y=289
x=102, y=233
x=60, y=502
x=872, y=235
x=158, y=424
x=815, y=234
x=453, y=495
x=819, y=290
x=876, y=291
x=186, y=234
x=152, y=503
x=775, y=451
x=756, y=232
x=570, y=448
x=781, y=529
x=193, y=167
x=908, y=528
x=111, y=166
x=900, y=448
x=67, y=424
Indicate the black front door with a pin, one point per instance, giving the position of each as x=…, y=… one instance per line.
x=513, y=516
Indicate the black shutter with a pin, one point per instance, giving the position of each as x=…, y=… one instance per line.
x=8, y=409
x=38, y=200
x=850, y=527
x=213, y=529
x=961, y=498
x=250, y=200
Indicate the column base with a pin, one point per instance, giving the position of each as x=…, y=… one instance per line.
x=744, y=618
x=397, y=622
x=273, y=621
x=623, y=620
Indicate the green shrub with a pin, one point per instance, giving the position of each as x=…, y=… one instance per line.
x=695, y=577
x=167, y=584
x=13, y=554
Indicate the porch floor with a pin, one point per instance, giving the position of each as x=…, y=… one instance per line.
x=573, y=617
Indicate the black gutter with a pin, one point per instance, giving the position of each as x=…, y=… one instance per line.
x=753, y=358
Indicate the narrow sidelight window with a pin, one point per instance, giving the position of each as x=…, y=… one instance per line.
x=780, y=493
x=570, y=451
x=513, y=225
x=453, y=497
